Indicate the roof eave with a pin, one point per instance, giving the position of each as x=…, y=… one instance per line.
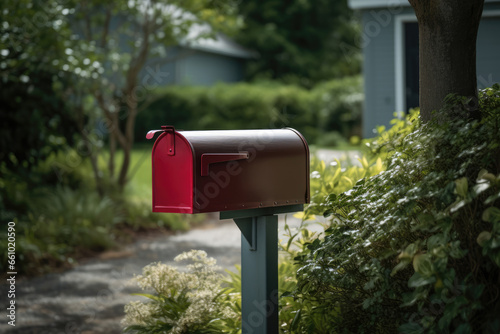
x=365, y=4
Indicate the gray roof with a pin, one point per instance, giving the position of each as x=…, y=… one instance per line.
x=219, y=44
x=196, y=37
x=362, y=4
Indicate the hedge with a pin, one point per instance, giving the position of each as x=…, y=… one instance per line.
x=333, y=106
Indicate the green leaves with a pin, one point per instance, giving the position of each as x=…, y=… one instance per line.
x=461, y=187
x=492, y=215
x=298, y=41
x=419, y=280
x=483, y=237
x=436, y=201
x=422, y=264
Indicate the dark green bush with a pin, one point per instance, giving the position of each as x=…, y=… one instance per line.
x=416, y=249
x=330, y=107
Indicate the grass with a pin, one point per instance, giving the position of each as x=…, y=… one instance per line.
x=140, y=168
x=139, y=173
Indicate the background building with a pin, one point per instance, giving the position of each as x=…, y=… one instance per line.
x=203, y=62
x=390, y=51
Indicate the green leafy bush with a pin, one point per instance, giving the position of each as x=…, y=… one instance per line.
x=336, y=178
x=330, y=107
x=300, y=312
x=60, y=218
x=62, y=224
x=416, y=248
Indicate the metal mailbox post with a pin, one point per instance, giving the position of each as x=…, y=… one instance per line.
x=249, y=176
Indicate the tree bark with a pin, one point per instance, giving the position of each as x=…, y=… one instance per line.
x=91, y=149
x=447, y=51
x=131, y=102
x=112, y=150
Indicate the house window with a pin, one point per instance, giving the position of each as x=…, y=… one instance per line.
x=411, y=65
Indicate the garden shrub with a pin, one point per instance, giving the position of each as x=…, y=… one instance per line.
x=60, y=218
x=61, y=225
x=182, y=302
x=305, y=314
x=331, y=107
x=416, y=248
x=339, y=105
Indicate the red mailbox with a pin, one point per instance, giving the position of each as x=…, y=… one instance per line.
x=210, y=171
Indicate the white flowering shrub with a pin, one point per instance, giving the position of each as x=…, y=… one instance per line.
x=183, y=302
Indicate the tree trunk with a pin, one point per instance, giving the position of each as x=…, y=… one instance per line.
x=447, y=37
x=131, y=105
x=122, y=178
x=95, y=168
x=136, y=64
x=90, y=149
x=112, y=149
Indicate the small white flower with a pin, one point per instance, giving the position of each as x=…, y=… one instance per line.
x=201, y=282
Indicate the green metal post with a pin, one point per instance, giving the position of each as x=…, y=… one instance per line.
x=259, y=275
x=259, y=266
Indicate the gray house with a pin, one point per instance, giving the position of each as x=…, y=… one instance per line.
x=200, y=62
x=390, y=51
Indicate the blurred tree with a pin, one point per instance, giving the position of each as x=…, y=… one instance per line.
x=98, y=50
x=146, y=27
x=299, y=40
x=34, y=121
x=447, y=38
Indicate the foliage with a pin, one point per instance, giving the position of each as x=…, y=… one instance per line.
x=332, y=106
x=335, y=179
x=34, y=120
x=181, y=302
x=302, y=313
x=61, y=225
x=176, y=294
x=58, y=225
x=91, y=55
x=298, y=41
x=416, y=248
x=71, y=73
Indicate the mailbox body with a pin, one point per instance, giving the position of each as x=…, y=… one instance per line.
x=211, y=171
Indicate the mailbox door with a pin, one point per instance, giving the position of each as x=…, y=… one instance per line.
x=172, y=161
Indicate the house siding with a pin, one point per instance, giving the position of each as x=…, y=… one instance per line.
x=191, y=67
x=203, y=68
x=379, y=59
x=488, y=51
x=160, y=71
x=378, y=68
